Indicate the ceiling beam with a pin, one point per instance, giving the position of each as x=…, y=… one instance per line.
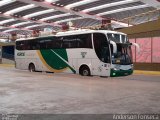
x=153, y=3
x=62, y=9
x=23, y=19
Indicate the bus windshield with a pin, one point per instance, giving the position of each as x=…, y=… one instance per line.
x=118, y=38
x=123, y=55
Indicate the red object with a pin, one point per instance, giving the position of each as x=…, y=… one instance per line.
x=106, y=22
x=65, y=27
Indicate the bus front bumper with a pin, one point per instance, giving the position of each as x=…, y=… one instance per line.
x=116, y=73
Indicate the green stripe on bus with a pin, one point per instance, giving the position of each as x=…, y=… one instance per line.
x=57, y=58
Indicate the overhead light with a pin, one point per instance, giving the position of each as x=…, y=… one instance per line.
x=66, y=20
x=83, y=2
x=20, y=9
x=32, y=26
x=120, y=23
x=50, y=1
x=19, y=24
x=38, y=13
x=122, y=9
x=6, y=21
x=108, y=5
x=55, y=16
x=5, y=2
x=10, y=30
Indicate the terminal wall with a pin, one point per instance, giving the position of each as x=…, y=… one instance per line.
x=147, y=35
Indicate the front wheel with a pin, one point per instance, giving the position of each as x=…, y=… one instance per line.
x=32, y=68
x=84, y=71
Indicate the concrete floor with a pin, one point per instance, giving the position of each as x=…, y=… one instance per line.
x=24, y=92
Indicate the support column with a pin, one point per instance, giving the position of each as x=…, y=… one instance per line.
x=0, y=54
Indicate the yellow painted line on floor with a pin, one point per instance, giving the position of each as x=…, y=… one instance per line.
x=7, y=65
x=146, y=72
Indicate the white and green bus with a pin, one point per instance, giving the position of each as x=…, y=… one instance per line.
x=84, y=52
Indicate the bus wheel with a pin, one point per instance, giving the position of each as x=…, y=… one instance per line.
x=84, y=71
x=32, y=67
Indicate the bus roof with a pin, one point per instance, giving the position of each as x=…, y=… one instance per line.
x=74, y=32
x=83, y=31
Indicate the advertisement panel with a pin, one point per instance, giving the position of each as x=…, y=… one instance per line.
x=156, y=50
x=145, y=50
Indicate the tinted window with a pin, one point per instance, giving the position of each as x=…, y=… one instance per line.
x=36, y=44
x=114, y=37
x=101, y=47
x=73, y=41
x=76, y=41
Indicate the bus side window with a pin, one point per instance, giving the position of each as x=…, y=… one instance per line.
x=58, y=43
x=18, y=45
x=101, y=46
x=84, y=41
x=42, y=44
x=75, y=41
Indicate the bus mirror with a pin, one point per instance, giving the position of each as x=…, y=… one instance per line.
x=114, y=46
x=137, y=46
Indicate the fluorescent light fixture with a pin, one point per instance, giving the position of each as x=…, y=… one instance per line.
x=108, y=5
x=19, y=24
x=38, y=13
x=10, y=30
x=83, y=2
x=20, y=9
x=1, y=27
x=120, y=23
x=6, y=21
x=55, y=16
x=5, y=2
x=122, y=9
x=50, y=1
x=3, y=40
x=32, y=26
x=71, y=19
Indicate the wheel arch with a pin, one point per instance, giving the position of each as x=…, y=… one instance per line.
x=31, y=63
x=84, y=65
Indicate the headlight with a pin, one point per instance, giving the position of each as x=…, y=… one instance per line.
x=115, y=69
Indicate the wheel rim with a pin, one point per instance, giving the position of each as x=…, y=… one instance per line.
x=85, y=72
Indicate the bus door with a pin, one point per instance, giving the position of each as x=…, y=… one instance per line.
x=100, y=68
x=101, y=65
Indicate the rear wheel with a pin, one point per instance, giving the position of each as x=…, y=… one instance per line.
x=32, y=67
x=85, y=71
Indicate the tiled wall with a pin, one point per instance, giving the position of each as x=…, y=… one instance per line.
x=149, y=50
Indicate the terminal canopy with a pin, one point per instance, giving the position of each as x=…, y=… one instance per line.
x=24, y=16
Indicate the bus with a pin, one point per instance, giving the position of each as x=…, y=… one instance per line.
x=84, y=52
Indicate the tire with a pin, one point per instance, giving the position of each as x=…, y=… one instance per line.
x=85, y=71
x=31, y=67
